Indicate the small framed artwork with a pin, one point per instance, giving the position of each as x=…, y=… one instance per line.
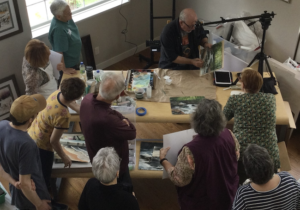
x=10, y=21
x=9, y=91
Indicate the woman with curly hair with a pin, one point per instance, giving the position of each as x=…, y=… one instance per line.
x=205, y=174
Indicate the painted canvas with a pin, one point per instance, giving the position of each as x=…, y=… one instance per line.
x=149, y=156
x=184, y=105
x=213, y=58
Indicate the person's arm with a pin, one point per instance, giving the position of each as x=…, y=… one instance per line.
x=63, y=68
x=8, y=178
x=237, y=145
x=181, y=174
x=238, y=202
x=76, y=107
x=31, y=78
x=121, y=128
x=25, y=182
x=54, y=141
x=229, y=109
x=195, y=61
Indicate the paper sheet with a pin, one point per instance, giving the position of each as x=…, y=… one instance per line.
x=55, y=58
x=176, y=141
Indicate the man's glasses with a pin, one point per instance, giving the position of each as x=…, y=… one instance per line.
x=190, y=27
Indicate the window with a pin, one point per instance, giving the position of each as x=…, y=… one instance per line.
x=40, y=15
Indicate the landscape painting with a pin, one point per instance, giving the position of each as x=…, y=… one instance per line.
x=213, y=58
x=184, y=105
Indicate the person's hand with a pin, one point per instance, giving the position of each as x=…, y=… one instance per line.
x=69, y=71
x=18, y=185
x=67, y=161
x=60, y=67
x=197, y=62
x=126, y=121
x=44, y=205
x=163, y=152
x=207, y=45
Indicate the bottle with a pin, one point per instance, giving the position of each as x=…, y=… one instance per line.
x=82, y=68
x=97, y=76
x=89, y=72
x=149, y=91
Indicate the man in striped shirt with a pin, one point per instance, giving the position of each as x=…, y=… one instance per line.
x=266, y=189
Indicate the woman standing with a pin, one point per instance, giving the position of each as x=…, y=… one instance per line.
x=254, y=118
x=205, y=174
x=64, y=36
x=37, y=71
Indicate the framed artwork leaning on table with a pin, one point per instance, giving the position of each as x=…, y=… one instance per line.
x=9, y=91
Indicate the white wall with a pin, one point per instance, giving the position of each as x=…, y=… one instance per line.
x=12, y=50
x=281, y=35
x=104, y=28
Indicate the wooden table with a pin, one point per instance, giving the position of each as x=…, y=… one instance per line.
x=161, y=112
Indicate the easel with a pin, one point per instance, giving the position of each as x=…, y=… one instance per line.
x=151, y=43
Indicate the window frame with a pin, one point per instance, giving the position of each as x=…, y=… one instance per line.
x=77, y=14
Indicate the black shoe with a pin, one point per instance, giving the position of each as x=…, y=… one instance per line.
x=58, y=206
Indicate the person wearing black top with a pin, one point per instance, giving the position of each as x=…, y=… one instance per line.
x=179, y=43
x=103, y=192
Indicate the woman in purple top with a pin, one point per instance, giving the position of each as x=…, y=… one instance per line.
x=205, y=174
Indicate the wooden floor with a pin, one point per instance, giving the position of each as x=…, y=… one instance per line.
x=157, y=194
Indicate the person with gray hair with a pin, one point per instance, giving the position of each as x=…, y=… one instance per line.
x=103, y=191
x=266, y=190
x=205, y=174
x=103, y=126
x=64, y=37
x=180, y=40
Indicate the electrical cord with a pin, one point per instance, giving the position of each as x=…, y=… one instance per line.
x=124, y=31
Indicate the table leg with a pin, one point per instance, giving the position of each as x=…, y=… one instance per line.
x=282, y=132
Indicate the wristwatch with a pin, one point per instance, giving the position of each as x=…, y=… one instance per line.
x=162, y=160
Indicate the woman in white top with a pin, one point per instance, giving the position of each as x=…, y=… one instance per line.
x=37, y=71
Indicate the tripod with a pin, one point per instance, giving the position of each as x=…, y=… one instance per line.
x=154, y=45
x=265, y=20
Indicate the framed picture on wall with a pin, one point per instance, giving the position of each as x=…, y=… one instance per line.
x=10, y=21
x=9, y=91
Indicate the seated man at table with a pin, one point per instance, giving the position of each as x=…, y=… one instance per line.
x=179, y=42
x=103, y=191
x=20, y=163
x=105, y=127
x=47, y=129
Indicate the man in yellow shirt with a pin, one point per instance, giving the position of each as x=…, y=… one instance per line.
x=48, y=127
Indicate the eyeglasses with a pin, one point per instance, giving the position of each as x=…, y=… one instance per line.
x=190, y=27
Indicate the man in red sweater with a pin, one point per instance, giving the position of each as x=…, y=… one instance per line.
x=105, y=127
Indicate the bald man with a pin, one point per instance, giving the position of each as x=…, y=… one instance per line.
x=180, y=41
x=105, y=127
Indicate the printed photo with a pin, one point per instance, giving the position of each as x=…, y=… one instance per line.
x=149, y=156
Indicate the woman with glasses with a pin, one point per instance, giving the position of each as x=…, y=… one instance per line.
x=254, y=116
x=180, y=40
x=103, y=191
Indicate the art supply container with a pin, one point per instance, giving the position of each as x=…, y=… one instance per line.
x=139, y=94
x=90, y=88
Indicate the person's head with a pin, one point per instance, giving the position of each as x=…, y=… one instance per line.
x=251, y=80
x=25, y=108
x=37, y=53
x=61, y=10
x=111, y=86
x=72, y=88
x=258, y=164
x=208, y=120
x=106, y=165
x=187, y=20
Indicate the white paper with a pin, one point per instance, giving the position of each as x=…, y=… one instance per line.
x=55, y=58
x=237, y=92
x=176, y=141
